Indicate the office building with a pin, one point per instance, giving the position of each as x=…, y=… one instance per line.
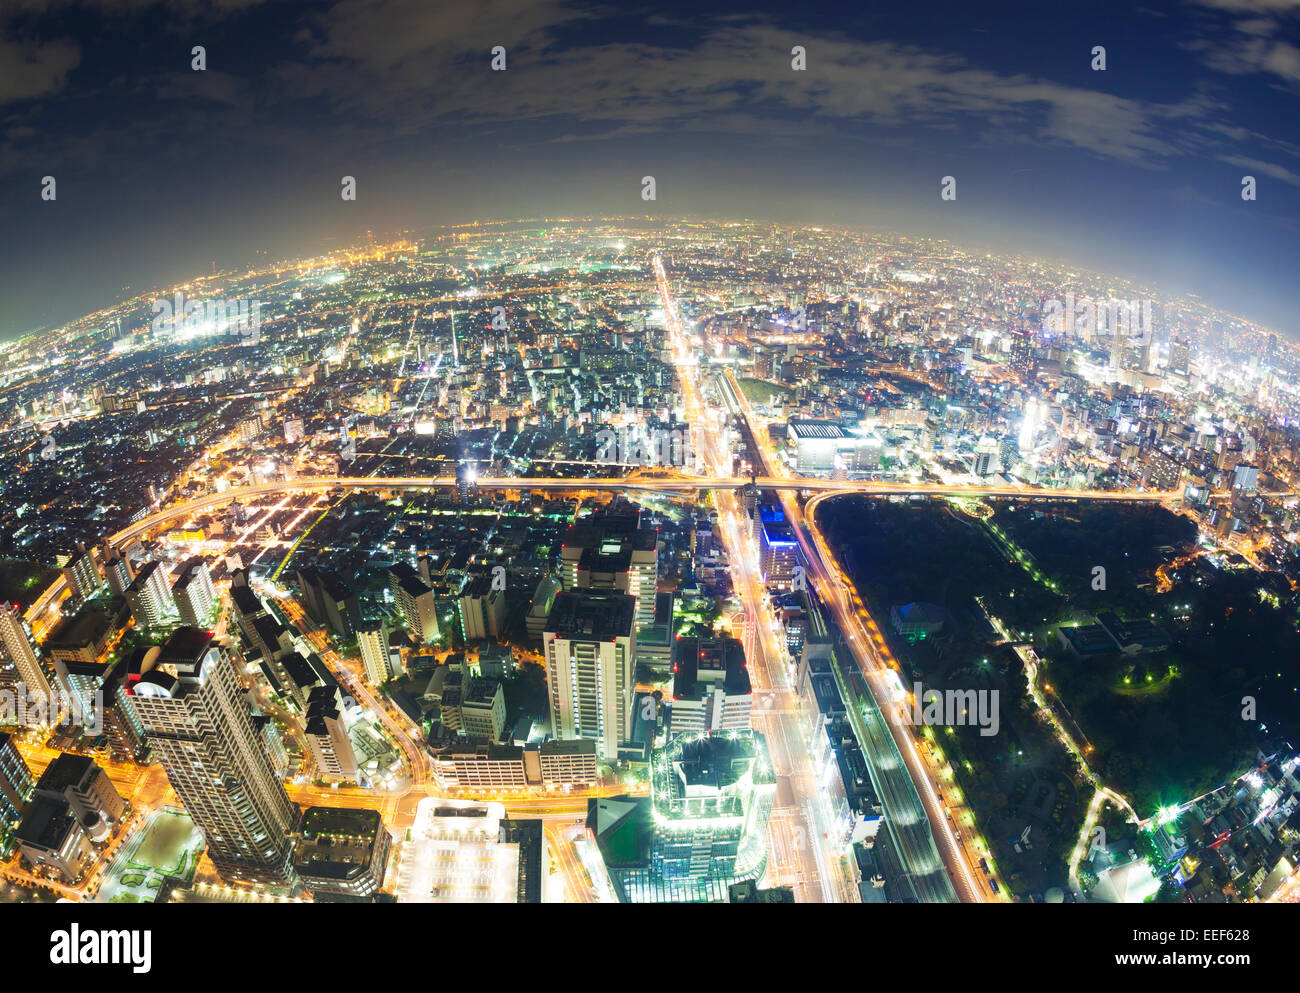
x=51, y=838
x=589, y=645
x=702, y=829
x=475, y=708
x=198, y=725
x=18, y=652
x=611, y=551
x=87, y=790
x=711, y=689
x=341, y=853
x=778, y=553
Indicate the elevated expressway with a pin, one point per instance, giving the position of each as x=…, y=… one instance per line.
x=673, y=483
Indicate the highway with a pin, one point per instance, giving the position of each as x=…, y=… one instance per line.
x=914, y=812
x=802, y=852
x=671, y=483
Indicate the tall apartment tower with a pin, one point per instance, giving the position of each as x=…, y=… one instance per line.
x=150, y=596
x=373, y=642
x=197, y=723
x=612, y=552
x=194, y=593
x=415, y=602
x=16, y=784
x=590, y=642
x=83, y=575
x=118, y=571
x=16, y=647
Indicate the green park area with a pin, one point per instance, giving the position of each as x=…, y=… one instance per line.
x=168, y=846
x=1162, y=710
x=761, y=391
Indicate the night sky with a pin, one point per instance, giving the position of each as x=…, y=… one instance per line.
x=162, y=171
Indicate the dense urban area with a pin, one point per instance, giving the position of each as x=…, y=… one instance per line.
x=633, y=561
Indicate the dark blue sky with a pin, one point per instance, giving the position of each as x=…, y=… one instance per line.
x=161, y=170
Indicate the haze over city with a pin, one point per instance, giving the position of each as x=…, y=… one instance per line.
x=163, y=171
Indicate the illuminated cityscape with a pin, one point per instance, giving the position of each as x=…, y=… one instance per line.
x=756, y=544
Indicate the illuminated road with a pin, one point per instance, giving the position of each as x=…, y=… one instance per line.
x=801, y=853
x=932, y=858
x=671, y=483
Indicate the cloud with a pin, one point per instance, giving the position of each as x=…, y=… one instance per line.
x=1267, y=168
x=419, y=67
x=30, y=69
x=1259, y=45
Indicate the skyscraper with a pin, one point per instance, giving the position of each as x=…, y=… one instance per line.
x=83, y=575
x=194, y=593
x=589, y=644
x=17, y=649
x=415, y=602
x=150, y=596
x=612, y=552
x=16, y=785
x=375, y=653
x=199, y=727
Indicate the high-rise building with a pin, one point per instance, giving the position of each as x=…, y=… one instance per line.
x=482, y=609
x=198, y=725
x=589, y=644
x=87, y=789
x=330, y=601
x=711, y=795
x=703, y=827
x=83, y=575
x=415, y=603
x=17, y=649
x=194, y=593
x=150, y=596
x=711, y=688
x=540, y=608
x=16, y=787
x=327, y=736
x=778, y=553
x=476, y=708
x=376, y=654
x=342, y=853
x=119, y=572
x=612, y=551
